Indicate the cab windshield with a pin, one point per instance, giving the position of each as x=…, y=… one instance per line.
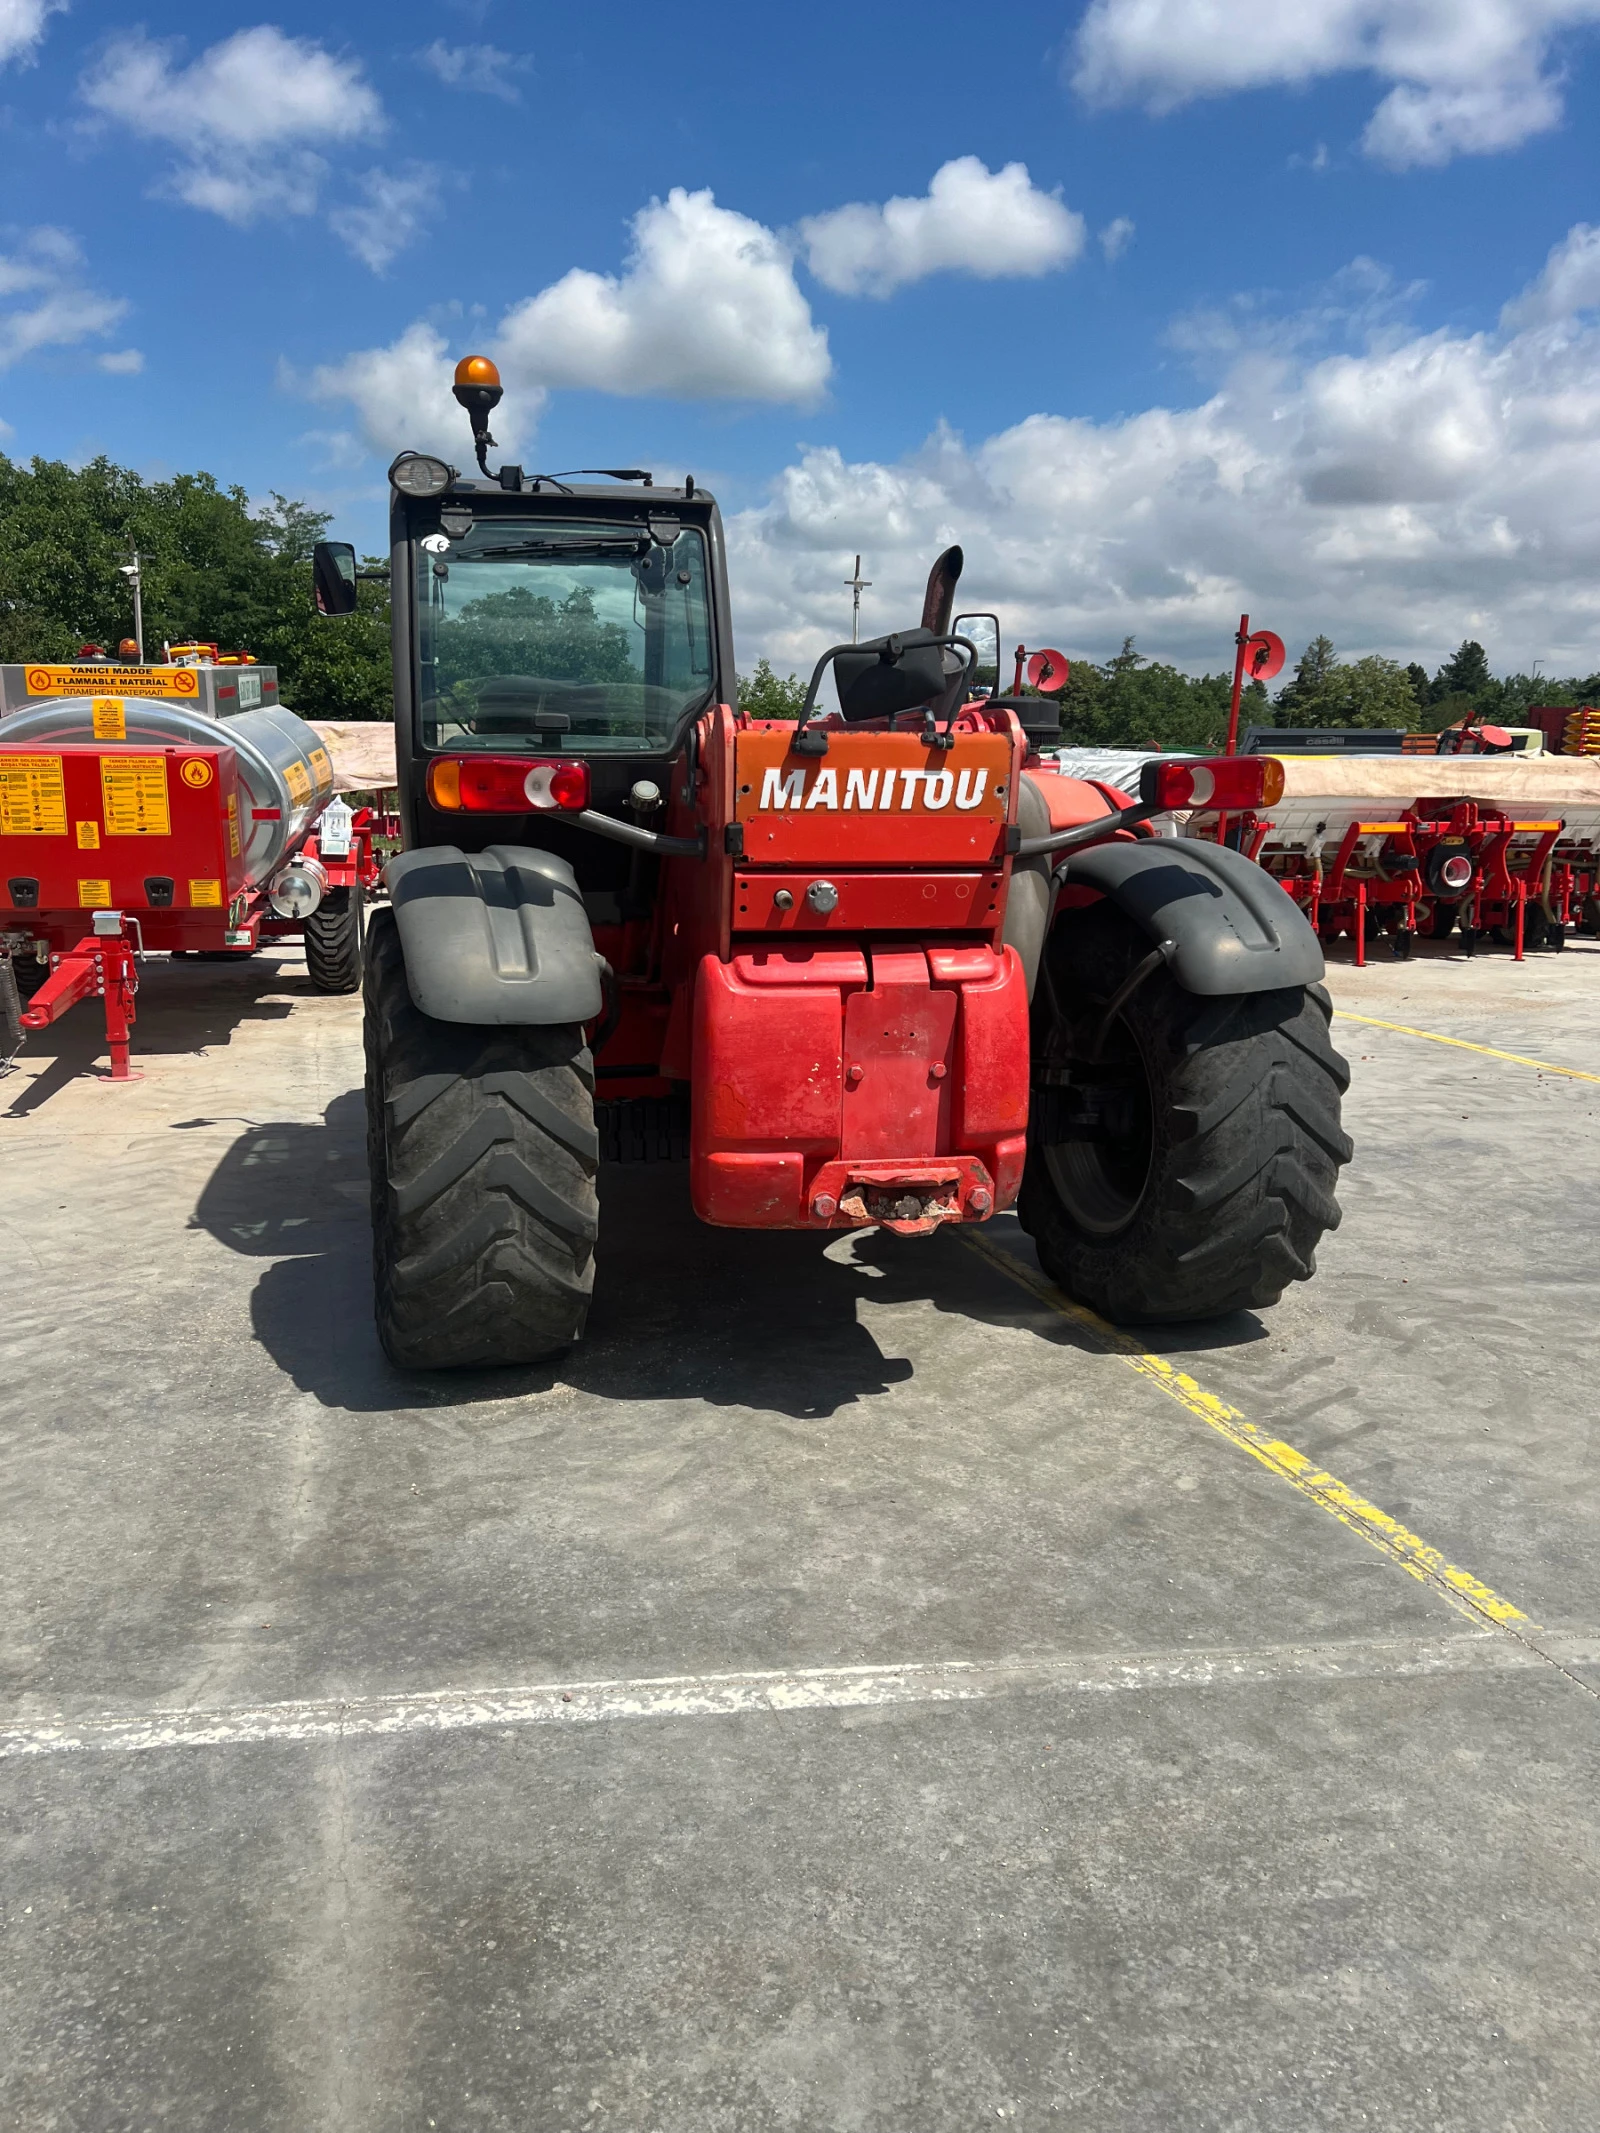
x=587, y=637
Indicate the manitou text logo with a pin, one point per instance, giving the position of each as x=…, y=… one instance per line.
x=875, y=791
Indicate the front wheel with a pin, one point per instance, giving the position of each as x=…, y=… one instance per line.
x=1183, y=1163
x=483, y=1153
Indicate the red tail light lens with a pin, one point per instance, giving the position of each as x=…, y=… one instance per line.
x=506, y=785
x=1218, y=781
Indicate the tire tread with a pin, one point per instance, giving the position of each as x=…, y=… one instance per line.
x=483, y=1156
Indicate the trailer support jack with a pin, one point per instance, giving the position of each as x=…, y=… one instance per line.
x=103, y=964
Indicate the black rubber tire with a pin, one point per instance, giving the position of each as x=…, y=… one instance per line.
x=1442, y=921
x=1535, y=926
x=11, y=1031
x=482, y=1150
x=1236, y=1109
x=333, y=942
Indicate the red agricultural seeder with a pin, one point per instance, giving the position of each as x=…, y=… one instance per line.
x=1427, y=868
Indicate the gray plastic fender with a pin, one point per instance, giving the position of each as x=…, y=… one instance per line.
x=1233, y=929
x=498, y=936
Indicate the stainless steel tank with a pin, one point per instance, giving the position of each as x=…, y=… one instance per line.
x=285, y=776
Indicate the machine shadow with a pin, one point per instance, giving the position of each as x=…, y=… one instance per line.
x=183, y=1008
x=766, y=1320
x=680, y=1311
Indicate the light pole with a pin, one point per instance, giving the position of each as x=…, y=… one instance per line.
x=858, y=585
x=131, y=572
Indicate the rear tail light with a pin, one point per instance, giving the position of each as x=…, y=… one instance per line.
x=506, y=785
x=1219, y=781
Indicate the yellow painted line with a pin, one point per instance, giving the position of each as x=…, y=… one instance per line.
x=1404, y=1029
x=1466, y=1593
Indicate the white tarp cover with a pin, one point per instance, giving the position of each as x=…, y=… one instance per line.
x=362, y=751
x=1554, y=781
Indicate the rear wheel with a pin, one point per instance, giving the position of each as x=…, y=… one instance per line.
x=333, y=942
x=1188, y=1168
x=482, y=1149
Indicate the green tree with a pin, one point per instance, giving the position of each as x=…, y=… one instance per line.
x=1304, y=701
x=764, y=695
x=1465, y=674
x=213, y=571
x=1135, y=702
x=1329, y=691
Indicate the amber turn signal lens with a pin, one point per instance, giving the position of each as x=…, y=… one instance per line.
x=476, y=370
x=444, y=783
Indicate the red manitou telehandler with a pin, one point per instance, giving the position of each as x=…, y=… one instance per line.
x=879, y=965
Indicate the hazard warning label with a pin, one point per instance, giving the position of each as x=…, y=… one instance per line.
x=181, y=682
x=110, y=719
x=94, y=895
x=133, y=796
x=33, y=796
x=202, y=893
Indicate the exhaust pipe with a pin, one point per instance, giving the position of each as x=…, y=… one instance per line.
x=939, y=601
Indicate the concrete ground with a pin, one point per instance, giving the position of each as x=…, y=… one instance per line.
x=1067, y=1766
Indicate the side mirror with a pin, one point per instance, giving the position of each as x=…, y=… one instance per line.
x=984, y=632
x=333, y=574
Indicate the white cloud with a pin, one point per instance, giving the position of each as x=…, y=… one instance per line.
x=1569, y=284
x=45, y=301
x=706, y=308
x=1470, y=76
x=22, y=27
x=1400, y=498
x=246, y=117
x=971, y=220
x=402, y=397
x=121, y=363
x=481, y=67
x=393, y=206
x=1115, y=238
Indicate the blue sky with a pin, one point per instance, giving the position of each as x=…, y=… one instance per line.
x=1235, y=335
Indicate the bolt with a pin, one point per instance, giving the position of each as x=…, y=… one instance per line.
x=937, y=1070
x=824, y=1207
x=980, y=1201
x=783, y=900
x=823, y=897
x=854, y=1074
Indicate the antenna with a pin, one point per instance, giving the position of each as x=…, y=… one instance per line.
x=858, y=585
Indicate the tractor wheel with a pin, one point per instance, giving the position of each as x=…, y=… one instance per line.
x=1189, y=1169
x=333, y=942
x=1442, y=921
x=482, y=1149
x=1589, y=918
